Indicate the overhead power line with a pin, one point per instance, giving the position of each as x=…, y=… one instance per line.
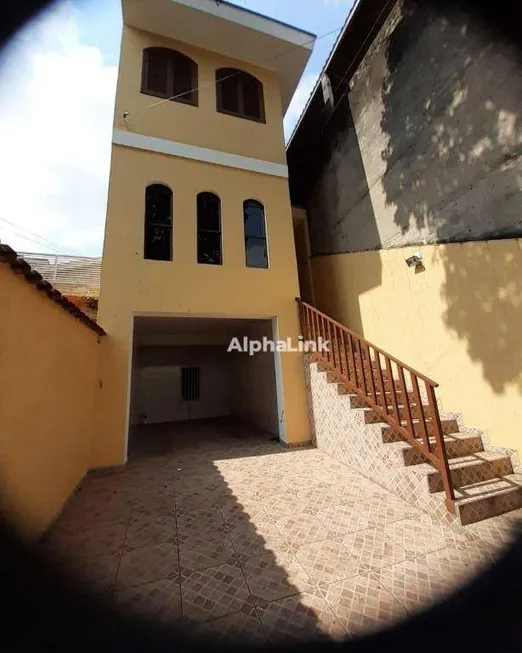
x=31, y=236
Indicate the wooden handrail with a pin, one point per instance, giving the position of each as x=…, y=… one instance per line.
x=367, y=342
x=357, y=363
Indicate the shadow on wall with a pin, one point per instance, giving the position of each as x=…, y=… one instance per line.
x=341, y=216
x=451, y=100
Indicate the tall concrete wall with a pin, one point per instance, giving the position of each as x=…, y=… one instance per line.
x=426, y=147
x=48, y=384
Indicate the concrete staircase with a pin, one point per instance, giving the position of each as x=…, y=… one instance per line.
x=483, y=477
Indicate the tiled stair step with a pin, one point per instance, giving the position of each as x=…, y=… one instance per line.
x=332, y=378
x=472, y=469
x=357, y=402
x=371, y=417
x=483, y=500
x=449, y=425
x=457, y=445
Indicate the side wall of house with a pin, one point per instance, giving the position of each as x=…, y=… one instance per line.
x=48, y=381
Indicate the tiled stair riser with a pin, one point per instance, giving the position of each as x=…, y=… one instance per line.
x=344, y=430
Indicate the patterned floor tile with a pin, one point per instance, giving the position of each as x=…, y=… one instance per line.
x=201, y=550
x=327, y=561
x=94, y=542
x=99, y=514
x=385, y=508
x=412, y=583
x=374, y=548
x=147, y=564
x=280, y=506
x=145, y=530
x=255, y=538
x=202, y=500
x=159, y=600
x=200, y=521
x=318, y=497
x=420, y=537
x=302, y=528
x=247, y=514
x=214, y=592
x=362, y=605
x=340, y=520
x=495, y=532
x=233, y=629
x=257, y=489
x=152, y=503
x=300, y=618
x=234, y=511
x=458, y=565
x=96, y=573
x=274, y=575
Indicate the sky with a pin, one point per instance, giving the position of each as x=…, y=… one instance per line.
x=57, y=86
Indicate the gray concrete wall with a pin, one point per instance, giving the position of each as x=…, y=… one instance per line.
x=427, y=146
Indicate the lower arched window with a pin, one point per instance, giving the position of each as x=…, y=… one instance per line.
x=255, y=234
x=158, y=223
x=209, y=229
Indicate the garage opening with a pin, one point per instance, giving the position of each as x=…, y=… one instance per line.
x=184, y=374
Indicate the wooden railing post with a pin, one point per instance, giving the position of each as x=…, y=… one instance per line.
x=380, y=381
x=441, y=449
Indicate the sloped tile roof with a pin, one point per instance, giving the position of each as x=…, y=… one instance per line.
x=21, y=266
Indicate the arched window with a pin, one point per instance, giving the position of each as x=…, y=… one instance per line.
x=169, y=74
x=255, y=234
x=239, y=94
x=209, y=229
x=158, y=223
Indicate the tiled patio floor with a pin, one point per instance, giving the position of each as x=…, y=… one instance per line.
x=225, y=532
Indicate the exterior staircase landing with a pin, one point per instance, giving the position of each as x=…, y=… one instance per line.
x=483, y=479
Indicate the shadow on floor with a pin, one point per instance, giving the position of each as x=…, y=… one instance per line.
x=186, y=535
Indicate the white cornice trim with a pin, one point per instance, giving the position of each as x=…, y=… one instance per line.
x=253, y=20
x=163, y=146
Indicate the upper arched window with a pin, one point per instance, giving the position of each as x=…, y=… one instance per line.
x=158, y=223
x=239, y=94
x=169, y=74
x=255, y=234
x=209, y=229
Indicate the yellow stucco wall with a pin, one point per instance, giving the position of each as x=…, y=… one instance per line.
x=48, y=380
x=202, y=125
x=459, y=321
x=253, y=383
x=132, y=285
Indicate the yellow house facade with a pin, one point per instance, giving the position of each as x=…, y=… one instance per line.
x=199, y=223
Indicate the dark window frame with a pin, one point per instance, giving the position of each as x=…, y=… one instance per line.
x=162, y=225
x=240, y=77
x=174, y=58
x=190, y=383
x=255, y=238
x=201, y=230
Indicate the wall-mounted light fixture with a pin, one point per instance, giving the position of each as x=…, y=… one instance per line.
x=415, y=261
